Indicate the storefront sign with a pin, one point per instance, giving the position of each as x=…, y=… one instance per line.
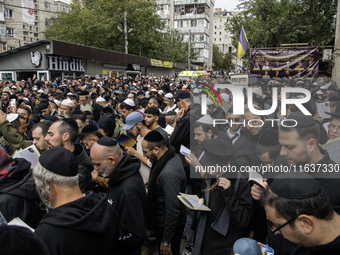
x=56, y=63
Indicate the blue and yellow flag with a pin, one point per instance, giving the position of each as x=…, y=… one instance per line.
x=243, y=46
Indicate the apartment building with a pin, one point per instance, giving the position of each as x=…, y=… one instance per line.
x=25, y=21
x=191, y=18
x=222, y=38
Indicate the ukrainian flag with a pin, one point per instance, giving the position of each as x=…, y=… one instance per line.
x=243, y=46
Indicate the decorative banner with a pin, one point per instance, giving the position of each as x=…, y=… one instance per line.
x=280, y=63
x=27, y=12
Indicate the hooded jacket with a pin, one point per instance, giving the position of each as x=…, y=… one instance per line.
x=85, y=168
x=18, y=196
x=127, y=193
x=85, y=226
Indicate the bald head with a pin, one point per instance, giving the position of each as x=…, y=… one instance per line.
x=105, y=158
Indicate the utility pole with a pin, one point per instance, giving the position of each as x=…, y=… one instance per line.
x=336, y=66
x=189, y=50
x=125, y=33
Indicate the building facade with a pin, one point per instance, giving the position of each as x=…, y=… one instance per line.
x=48, y=60
x=222, y=38
x=25, y=21
x=191, y=18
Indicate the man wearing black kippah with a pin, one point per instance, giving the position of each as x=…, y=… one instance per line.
x=165, y=213
x=300, y=148
x=299, y=209
x=126, y=192
x=76, y=223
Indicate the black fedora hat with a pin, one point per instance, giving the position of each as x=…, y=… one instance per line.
x=336, y=113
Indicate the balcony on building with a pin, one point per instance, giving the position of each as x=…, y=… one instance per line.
x=186, y=2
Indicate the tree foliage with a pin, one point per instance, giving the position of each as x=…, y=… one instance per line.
x=228, y=64
x=270, y=23
x=217, y=58
x=100, y=24
x=223, y=61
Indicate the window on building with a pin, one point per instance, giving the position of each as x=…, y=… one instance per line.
x=200, y=22
x=220, y=20
x=47, y=6
x=215, y=39
x=10, y=31
x=35, y=23
x=220, y=39
x=215, y=33
x=36, y=17
x=24, y=38
x=230, y=49
x=8, y=14
x=35, y=6
x=185, y=38
x=215, y=27
x=25, y=33
x=31, y=39
x=35, y=34
x=220, y=33
x=37, y=29
x=23, y=26
x=193, y=23
x=47, y=22
x=2, y=28
x=178, y=8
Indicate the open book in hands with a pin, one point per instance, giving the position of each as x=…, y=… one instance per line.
x=192, y=202
x=256, y=178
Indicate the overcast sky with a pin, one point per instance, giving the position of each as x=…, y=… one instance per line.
x=229, y=5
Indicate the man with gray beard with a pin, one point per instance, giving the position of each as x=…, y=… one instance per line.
x=84, y=99
x=66, y=108
x=86, y=104
x=79, y=223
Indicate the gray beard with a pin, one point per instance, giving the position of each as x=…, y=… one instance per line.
x=86, y=107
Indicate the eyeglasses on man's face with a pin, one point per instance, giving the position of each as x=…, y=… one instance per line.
x=277, y=230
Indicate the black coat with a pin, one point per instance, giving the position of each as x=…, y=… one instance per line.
x=239, y=205
x=88, y=225
x=18, y=196
x=332, y=248
x=127, y=192
x=182, y=134
x=97, y=108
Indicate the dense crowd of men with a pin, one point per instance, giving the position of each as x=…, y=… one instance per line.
x=91, y=193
